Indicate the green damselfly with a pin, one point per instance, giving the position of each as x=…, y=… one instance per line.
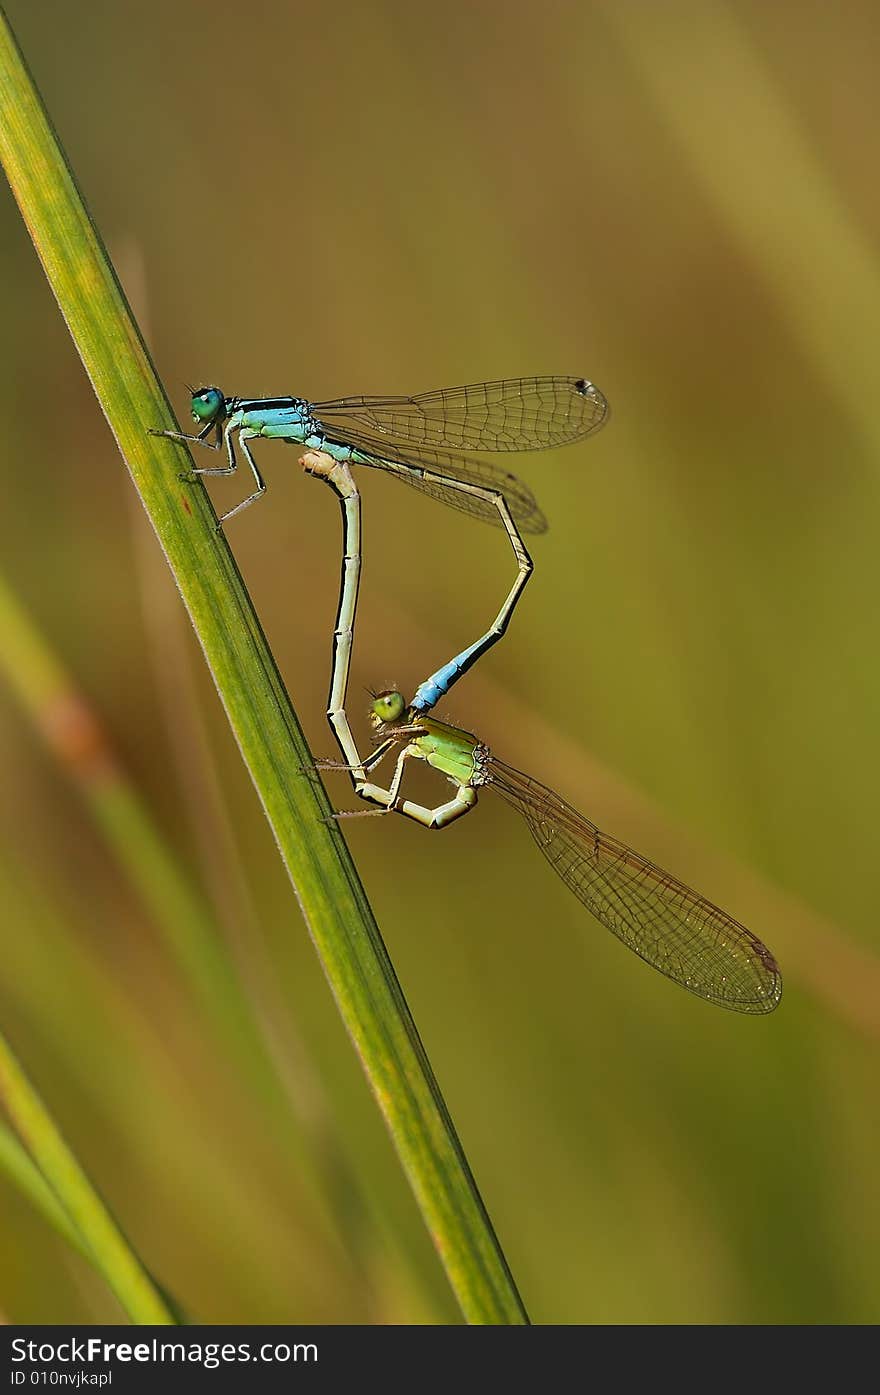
x=664, y=922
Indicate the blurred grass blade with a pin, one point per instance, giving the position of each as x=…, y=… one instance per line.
x=786, y=212
x=107, y=1246
x=76, y=737
x=21, y=1170
x=324, y=877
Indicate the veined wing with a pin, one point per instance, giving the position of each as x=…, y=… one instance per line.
x=511, y=414
x=377, y=452
x=662, y=920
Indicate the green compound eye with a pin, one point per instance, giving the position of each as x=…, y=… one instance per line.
x=207, y=404
x=388, y=707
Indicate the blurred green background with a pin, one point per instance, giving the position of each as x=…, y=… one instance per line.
x=679, y=201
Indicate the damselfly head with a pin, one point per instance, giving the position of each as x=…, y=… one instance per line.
x=386, y=708
x=208, y=404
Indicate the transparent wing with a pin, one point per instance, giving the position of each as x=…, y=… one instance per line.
x=662, y=920
x=520, y=500
x=512, y=414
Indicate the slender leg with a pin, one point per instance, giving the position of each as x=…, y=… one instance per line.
x=243, y=437
x=223, y=437
x=200, y=440
x=408, y=753
x=370, y=762
x=376, y=794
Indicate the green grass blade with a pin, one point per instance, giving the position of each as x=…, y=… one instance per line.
x=107, y=1246
x=21, y=1170
x=326, y=883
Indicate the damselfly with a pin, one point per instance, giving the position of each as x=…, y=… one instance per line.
x=425, y=441
x=678, y=932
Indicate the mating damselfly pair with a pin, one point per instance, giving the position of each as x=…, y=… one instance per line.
x=430, y=441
